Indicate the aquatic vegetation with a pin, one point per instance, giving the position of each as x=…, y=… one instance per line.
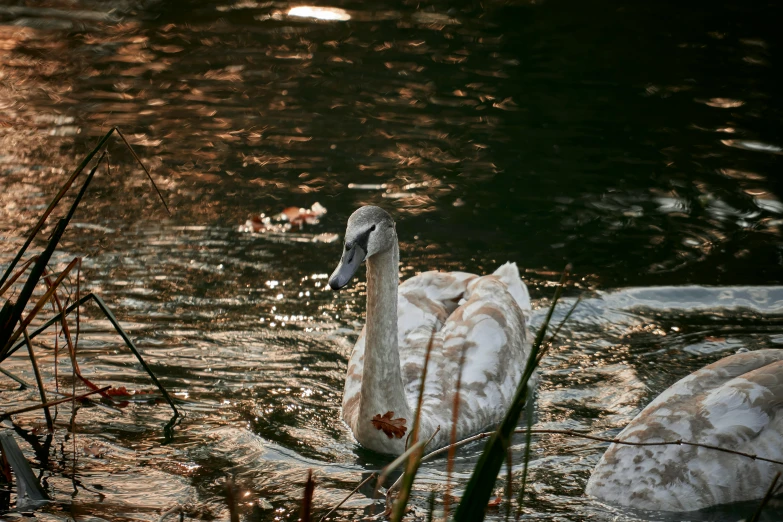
x=19, y=311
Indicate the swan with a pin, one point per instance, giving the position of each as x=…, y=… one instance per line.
x=735, y=403
x=482, y=317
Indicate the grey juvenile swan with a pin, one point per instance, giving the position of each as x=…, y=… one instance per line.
x=735, y=403
x=482, y=317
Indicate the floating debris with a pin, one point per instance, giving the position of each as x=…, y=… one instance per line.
x=289, y=218
x=367, y=186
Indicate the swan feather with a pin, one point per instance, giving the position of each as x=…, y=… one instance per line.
x=734, y=403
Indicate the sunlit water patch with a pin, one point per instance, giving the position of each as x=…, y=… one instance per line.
x=261, y=393
x=491, y=132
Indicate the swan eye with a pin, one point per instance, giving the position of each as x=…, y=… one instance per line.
x=372, y=228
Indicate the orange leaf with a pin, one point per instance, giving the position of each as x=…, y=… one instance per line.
x=495, y=502
x=391, y=427
x=122, y=390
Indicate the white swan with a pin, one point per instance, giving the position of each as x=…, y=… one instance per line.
x=735, y=403
x=482, y=317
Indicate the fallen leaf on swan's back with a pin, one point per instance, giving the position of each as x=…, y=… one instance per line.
x=391, y=427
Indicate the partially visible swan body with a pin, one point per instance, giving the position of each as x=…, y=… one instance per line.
x=735, y=403
x=480, y=318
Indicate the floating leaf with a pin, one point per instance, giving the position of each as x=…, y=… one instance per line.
x=495, y=502
x=290, y=217
x=391, y=427
x=300, y=216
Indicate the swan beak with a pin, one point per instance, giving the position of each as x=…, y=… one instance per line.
x=349, y=264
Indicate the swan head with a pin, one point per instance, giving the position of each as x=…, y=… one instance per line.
x=370, y=231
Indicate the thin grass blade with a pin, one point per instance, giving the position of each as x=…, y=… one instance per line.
x=528, y=443
x=38, y=306
x=306, y=513
x=42, y=220
x=771, y=491
x=133, y=152
x=343, y=501
x=414, y=460
x=18, y=274
x=113, y=320
x=39, y=380
x=29, y=492
x=10, y=319
x=477, y=494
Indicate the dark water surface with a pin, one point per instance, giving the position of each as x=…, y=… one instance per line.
x=642, y=142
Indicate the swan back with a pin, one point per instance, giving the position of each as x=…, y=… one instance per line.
x=488, y=328
x=509, y=274
x=734, y=403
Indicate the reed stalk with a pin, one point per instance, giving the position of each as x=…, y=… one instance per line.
x=482, y=482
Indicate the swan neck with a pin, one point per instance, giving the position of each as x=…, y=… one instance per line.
x=382, y=385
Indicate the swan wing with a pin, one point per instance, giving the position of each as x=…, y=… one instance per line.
x=734, y=403
x=489, y=330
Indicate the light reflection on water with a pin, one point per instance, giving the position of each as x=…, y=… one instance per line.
x=506, y=133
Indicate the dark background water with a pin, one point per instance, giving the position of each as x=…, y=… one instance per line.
x=641, y=142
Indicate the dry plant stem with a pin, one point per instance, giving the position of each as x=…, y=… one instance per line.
x=11, y=314
x=38, y=331
x=578, y=434
x=52, y=403
x=15, y=314
x=40, y=265
x=39, y=225
x=18, y=274
x=115, y=323
x=305, y=514
x=397, y=482
x=771, y=491
x=56, y=359
x=67, y=331
x=136, y=157
x=343, y=501
x=415, y=458
x=509, y=482
x=39, y=380
x=396, y=463
x=40, y=304
x=231, y=500
x=112, y=319
x=453, y=439
x=16, y=378
x=78, y=308
x=66, y=186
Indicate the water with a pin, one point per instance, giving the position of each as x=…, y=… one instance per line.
x=642, y=143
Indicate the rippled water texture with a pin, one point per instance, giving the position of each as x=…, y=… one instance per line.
x=642, y=143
